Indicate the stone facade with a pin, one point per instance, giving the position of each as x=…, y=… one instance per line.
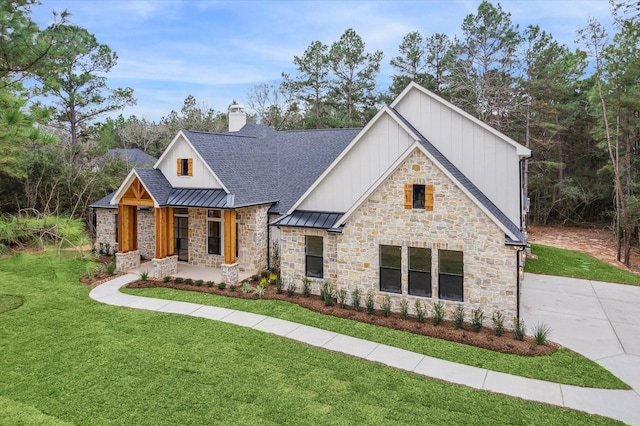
x=146, y=233
x=252, y=238
x=127, y=261
x=106, y=226
x=230, y=273
x=351, y=259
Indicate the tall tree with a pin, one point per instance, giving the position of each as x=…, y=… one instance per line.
x=74, y=75
x=355, y=71
x=274, y=106
x=439, y=50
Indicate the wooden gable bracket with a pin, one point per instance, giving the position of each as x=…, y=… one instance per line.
x=137, y=195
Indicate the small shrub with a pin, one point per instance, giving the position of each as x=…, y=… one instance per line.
x=259, y=291
x=143, y=276
x=355, y=299
x=199, y=283
x=188, y=281
x=222, y=285
x=279, y=286
x=477, y=316
x=519, y=328
x=438, y=313
x=273, y=278
x=255, y=277
x=263, y=283
x=233, y=287
x=541, y=333
x=178, y=280
x=386, y=305
x=100, y=248
x=246, y=287
x=419, y=310
x=458, y=316
x=326, y=293
x=111, y=268
x=369, y=302
x=291, y=289
x=306, y=287
x=498, y=323
x=166, y=279
x=404, y=309
x=3, y=250
x=107, y=249
x=265, y=274
x=210, y=283
x=342, y=298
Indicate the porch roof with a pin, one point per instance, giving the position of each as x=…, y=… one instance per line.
x=197, y=197
x=309, y=219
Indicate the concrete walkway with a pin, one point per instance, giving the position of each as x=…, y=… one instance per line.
x=618, y=404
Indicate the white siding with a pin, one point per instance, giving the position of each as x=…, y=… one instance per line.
x=360, y=168
x=202, y=177
x=491, y=163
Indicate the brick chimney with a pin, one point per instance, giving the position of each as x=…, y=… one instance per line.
x=237, y=117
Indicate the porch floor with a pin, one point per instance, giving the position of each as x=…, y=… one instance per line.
x=194, y=272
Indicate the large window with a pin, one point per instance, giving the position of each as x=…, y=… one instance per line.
x=314, y=257
x=420, y=271
x=214, y=232
x=390, y=269
x=451, y=275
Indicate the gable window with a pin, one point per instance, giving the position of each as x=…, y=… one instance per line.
x=420, y=271
x=314, y=257
x=451, y=275
x=184, y=166
x=214, y=232
x=390, y=269
x=418, y=196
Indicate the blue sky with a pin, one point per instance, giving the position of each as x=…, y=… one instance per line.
x=218, y=50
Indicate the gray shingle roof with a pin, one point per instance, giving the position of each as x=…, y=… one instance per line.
x=467, y=184
x=156, y=183
x=133, y=156
x=104, y=202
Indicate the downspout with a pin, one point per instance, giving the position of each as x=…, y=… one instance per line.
x=268, y=243
x=518, y=283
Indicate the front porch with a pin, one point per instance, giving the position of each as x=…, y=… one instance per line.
x=194, y=272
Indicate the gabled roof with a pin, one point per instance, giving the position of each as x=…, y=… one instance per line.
x=132, y=156
x=104, y=202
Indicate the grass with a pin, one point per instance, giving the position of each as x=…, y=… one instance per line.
x=563, y=366
x=9, y=302
x=568, y=263
x=67, y=359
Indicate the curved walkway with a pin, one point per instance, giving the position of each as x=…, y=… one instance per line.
x=618, y=404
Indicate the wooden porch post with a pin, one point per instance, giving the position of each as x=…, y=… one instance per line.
x=229, y=237
x=127, y=228
x=164, y=232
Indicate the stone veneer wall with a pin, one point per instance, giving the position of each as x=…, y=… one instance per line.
x=456, y=223
x=106, y=227
x=146, y=233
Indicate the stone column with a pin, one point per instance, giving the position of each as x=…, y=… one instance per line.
x=230, y=273
x=165, y=267
x=127, y=261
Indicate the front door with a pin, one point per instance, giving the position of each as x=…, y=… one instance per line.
x=182, y=237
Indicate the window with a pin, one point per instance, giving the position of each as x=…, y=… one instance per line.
x=390, y=269
x=184, y=167
x=420, y=271
x=450, y=277
x=313, y=255
x=419, y=197
x=115, y=216
x=214, y=232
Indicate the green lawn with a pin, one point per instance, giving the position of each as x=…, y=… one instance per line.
x=69, y=360
x=563, y=366
x=568, y=263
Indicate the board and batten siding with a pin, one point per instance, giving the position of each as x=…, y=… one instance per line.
x=490, y=162
x=360, y=168
x=202, y=177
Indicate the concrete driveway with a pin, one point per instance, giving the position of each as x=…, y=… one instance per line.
x=598, y=320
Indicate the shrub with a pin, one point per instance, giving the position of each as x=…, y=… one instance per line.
x=107, y=249
x=291, y=288
x=273, y=278
x=386, y=305
x=355, y=299
x=199, y=283
x=306, y=287
x=541, y=333
x=419, y=310
x=279, y=286
x=438, y=313
x=498, y=323
x=326, y=293
x=246, y=287
x=210, y=283
x=404, y=309
x=166, y=279
x=275, y=257
x=342, y=298
x=263, y=283
x=259, y=291
x=477, y=316
x=143, y=276
x=265, y=274
x=188, y=281
x=178, y=280
x=369, y=302
x=519, y=329
x=255, y=277
x=233, y=287
x=458, y=316
x=222, y=285
x=111, y=268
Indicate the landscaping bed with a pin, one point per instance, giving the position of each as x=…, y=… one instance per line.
x=484, y=338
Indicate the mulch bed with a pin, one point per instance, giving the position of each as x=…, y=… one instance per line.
x=485, y=338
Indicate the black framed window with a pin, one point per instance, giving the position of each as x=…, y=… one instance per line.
x=115, y=216
x=420, y=271
x=314, y=257
x=184, y=168
x=214, y=232
x=451, y=275
x=391, y=269
x=418, y=196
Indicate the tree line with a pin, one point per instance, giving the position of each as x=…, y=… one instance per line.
x=577, y=109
